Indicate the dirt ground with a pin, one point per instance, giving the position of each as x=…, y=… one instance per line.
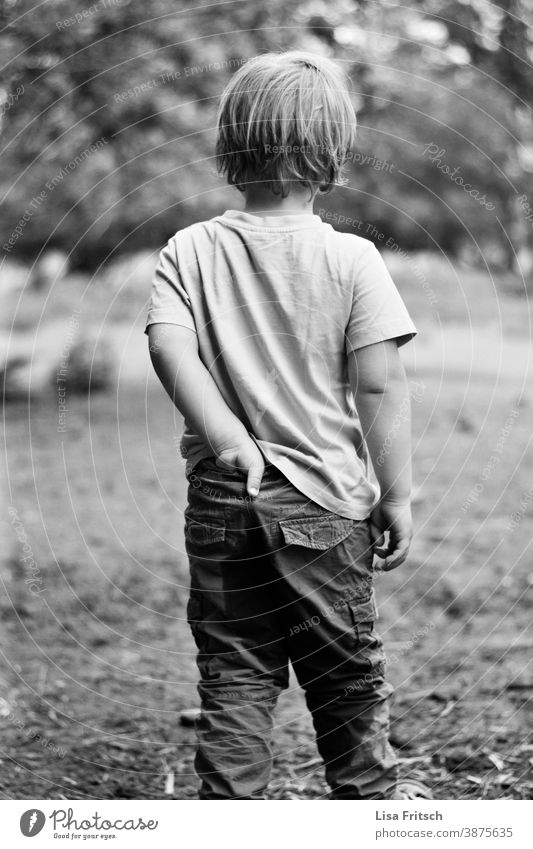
x=97, y=659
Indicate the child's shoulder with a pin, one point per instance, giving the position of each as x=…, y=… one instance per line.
x=188, y=241
x=351, y=242
x=351, y=250
x=193, y=231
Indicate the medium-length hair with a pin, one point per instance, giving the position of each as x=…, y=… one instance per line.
x=285, y=118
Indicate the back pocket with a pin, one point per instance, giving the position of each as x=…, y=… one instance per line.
x=201, y=532
x=318, y=532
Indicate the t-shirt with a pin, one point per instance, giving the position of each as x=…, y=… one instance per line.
x=277, y=303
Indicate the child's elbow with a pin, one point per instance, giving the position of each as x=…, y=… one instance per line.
x=371, y=387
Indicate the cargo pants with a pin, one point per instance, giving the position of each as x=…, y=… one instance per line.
x=277, y=579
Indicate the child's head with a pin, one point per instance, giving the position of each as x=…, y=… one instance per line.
x=285, y=119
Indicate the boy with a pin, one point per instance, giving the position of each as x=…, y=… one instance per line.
x=265, y=326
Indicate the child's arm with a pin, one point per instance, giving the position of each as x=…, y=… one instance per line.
x=378, y=381
x=174, y=354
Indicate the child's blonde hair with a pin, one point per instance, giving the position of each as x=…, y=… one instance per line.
x=285, y=118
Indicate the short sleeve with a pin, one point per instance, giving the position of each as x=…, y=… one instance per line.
x=169, y=301
x=378, y=312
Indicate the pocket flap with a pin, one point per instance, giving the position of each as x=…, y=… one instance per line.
x=365, y=610
x=320, y=532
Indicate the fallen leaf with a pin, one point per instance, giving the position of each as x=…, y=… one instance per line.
x=497, y=761
x=447, y=710
x=169, y=784
x=420, y=759
x=309, y=764
x=506, y=779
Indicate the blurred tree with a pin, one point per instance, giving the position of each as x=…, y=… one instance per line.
x=113, y=124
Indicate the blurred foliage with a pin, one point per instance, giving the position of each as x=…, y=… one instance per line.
x=131, y=90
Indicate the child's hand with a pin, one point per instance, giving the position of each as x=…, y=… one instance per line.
x=246, y=457
x=395, y=518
